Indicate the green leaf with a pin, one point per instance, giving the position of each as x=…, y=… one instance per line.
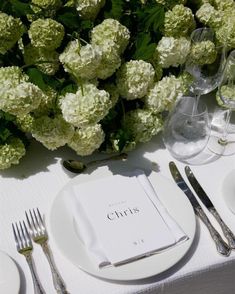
x=116, y=11
x=144, y=47
x=71, y=88
x=69, y=17
x=151, y=17
x=21, y=8
x=36, y=77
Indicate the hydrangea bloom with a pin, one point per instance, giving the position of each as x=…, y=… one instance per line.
x=86, y=107
x=203, y=52
x=46, y=33
x=38, y=56
x=10, y=77
x=46, y=8
x=11, y=152
x=134, y=79
x=179, y=22
x=22, y=99
x=225, y=34
x=209, y=16
x=112, y=30
x=226, y=91
x=223, y=4
x=52, y=132
x=48, y=103
x=110, y=60
x=11, y=29
x=88, y=9
x=25, y=122
x=142, y=124
x=81, y=61
x=86, y=140
x=170, y=3
x=164, y=93
x=173, y=52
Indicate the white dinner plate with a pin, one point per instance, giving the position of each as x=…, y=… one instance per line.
x=9, y=275
x=228, y=190
x=66, y=235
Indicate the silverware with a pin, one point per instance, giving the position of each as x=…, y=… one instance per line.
x=77, y=167
x=24, y=246
x=221, y=246
x=209, y=205
x=39, y=235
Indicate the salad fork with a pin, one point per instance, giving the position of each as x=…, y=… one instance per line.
x=39, y=235
x=24, y=246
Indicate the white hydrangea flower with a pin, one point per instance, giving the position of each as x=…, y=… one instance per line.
x=25, y=122
x=52, y=132
x=46, y=33
x=209, y=16
x=225, y=34
x=164, y=93
x=47, y=104
x=11, y=29
x=81, y=61
x=203, y=53
x=86, y=107
x=170, y=3
x=172, y=51
x=179, y=22
x=46, y=8
x=88, y=9
x=110, y=60
x=10, y=77
x=134, y=79
x=223, y=4
x=112, y=30
x=39, y=56
x=86, y=140
x=11, y=152
x=142, y=124
x=21, y=99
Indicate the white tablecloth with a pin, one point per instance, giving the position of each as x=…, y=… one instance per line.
x=38, y=179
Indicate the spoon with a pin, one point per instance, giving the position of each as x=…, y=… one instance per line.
x=77, y=167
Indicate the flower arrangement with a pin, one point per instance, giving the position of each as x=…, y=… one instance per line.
x=97, y=74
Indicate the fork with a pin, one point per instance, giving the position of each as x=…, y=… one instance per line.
x=24, y=246
x=39, y=235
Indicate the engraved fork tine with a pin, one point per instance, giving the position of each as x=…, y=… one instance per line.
x=39, y=235
x=25, y=247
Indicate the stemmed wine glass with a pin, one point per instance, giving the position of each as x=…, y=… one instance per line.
x=224, y=142
x=205, y=62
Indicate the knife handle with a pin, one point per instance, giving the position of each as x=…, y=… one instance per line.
x=221, y=246
x=227, y=232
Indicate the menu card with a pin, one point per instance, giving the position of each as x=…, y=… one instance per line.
x=123, y=220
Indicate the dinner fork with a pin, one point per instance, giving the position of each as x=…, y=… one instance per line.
x=24, y=246
x=39, y=235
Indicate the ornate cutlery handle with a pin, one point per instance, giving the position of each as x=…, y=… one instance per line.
x=38, y=289
x=221, y=246
x=57, y=280
x=227, y=232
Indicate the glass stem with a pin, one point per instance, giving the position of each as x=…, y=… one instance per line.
x=195, y=105
x=223, y=140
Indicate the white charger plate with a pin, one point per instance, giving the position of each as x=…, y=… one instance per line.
x=9, y=275
x=65, y=233
x=228, y=190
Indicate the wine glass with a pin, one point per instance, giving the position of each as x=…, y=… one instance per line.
x=186, y=133
x=205, y=62
x=224, y=142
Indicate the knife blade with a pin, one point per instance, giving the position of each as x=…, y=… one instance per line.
x=210, y=206
x=221, y=246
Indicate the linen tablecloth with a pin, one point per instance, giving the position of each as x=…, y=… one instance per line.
x=40, y=176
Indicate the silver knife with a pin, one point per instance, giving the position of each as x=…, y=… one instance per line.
x=221, y=246
x=209, y=205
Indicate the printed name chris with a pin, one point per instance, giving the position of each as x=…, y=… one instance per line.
x=119, y=214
